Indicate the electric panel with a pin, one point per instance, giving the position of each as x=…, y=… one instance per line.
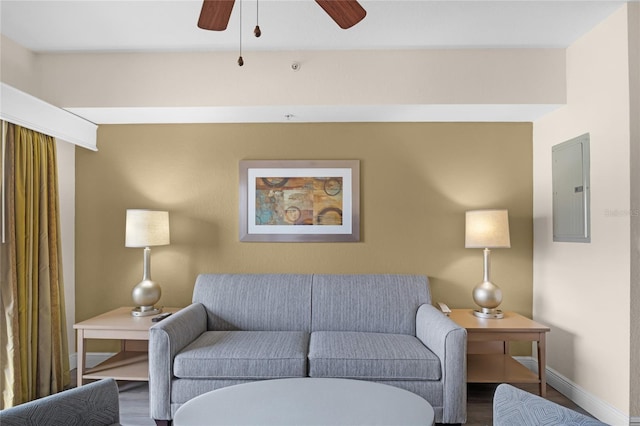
x=571, y=190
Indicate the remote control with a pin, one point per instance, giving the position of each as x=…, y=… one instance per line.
x=160, y=317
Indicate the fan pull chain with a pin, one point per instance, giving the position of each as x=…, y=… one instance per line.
x=256, y=30
x=240, y=60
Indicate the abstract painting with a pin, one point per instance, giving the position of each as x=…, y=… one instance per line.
x=299, y=200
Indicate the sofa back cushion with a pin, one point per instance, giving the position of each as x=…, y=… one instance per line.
x=370, y=303
x=255, y=302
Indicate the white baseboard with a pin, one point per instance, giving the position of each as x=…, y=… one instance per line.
x=598, y=408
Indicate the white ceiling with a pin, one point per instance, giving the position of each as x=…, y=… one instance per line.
x=162, y=25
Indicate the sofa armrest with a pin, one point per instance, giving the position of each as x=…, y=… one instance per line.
x=448, y=341
x=166, y=339
x=91, y=404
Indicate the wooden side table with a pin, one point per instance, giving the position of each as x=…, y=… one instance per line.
x=488, y=359
x=131, y=363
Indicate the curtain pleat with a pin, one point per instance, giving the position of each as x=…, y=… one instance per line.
x=35, y=355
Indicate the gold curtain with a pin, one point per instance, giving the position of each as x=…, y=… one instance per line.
x=34, y=354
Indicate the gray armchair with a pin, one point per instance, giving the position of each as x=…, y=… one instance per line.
x=515, y=407
x=94, y=404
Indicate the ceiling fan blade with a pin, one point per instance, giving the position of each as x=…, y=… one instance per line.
x=346, y=13
x=215, y=14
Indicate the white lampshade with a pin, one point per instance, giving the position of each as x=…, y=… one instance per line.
x=146, y=228
x=487, y=229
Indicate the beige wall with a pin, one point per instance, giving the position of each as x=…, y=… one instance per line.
x=582, y=290
x=370, y=77
x=19, y=67
x=66, y=154
x=634, y=91
x=417, y=182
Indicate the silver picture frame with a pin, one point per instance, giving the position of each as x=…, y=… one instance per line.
x=299, y=201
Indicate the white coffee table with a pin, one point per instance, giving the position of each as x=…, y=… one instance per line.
x=306, y=401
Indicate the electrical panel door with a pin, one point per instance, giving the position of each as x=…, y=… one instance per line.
x=570, y=170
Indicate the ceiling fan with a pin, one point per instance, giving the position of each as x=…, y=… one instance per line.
x=215, y=14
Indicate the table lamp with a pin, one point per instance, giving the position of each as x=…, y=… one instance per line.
x=146, y=228
x=487, y=229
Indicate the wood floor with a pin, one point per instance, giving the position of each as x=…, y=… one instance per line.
x=134, y=403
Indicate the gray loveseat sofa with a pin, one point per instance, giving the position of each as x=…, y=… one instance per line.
x=242, y=328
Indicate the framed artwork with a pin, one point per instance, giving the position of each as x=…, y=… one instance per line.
x=300, y=200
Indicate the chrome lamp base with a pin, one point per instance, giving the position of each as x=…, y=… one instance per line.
x=489, y=313
x=487, y=295
x=147, y=293
x=145, y=311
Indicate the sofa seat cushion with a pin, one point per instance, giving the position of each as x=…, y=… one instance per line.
x=244, y=355
x=371, y=356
